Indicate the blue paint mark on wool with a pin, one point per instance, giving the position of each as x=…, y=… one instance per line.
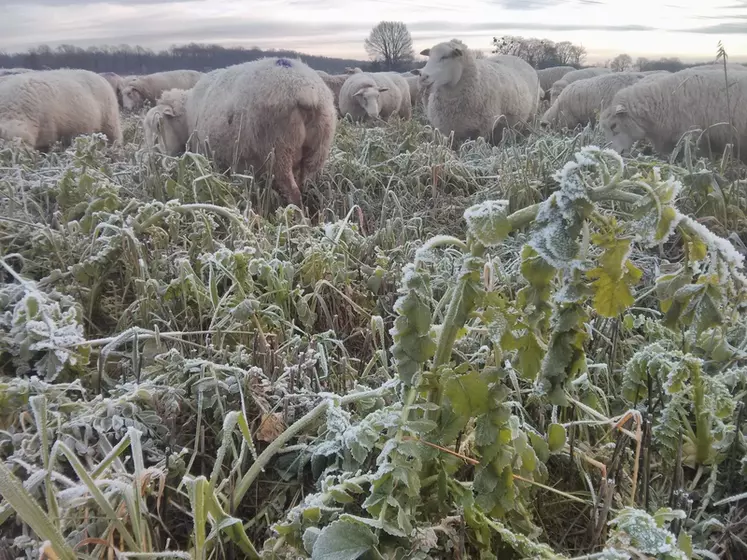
x=284, y=62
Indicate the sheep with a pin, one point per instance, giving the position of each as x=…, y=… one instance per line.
x=663, y=110
x=378, y=95
x=115, y=80
x=571, y=77
x=472, y=97
x=405, y=89
x=356, y=70
x=548, y=76
x=335, y=82
x=527, y=72
x=413, y=83
x=249, y=111
x=580, y=102
x=42, y=108
x=150, y=87
x=424, y=91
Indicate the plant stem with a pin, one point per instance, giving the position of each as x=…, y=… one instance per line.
x=297, y=427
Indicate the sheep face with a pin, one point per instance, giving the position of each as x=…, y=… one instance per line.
x=368, y=98
x=620, y=129
x=444, y=66
x=163, y=130
x=131, y=98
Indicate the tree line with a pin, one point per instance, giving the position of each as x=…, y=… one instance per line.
x=126, y=59
x=389, y=46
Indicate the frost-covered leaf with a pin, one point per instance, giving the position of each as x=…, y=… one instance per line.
x=488, y=222
x=343, y=540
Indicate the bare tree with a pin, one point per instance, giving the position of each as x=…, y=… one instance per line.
x=621, y=63
x=570, y=54
x=390, y=44
x=540, y=53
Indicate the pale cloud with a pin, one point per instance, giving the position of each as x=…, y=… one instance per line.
x=684, y=28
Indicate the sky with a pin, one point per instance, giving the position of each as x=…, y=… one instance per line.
x=689, y=29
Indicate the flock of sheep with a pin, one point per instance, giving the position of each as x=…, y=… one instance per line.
x=278, y=114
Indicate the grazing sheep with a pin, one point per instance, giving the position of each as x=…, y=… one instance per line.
x=472, y=97
x=548, y=76
x=42, y=108
x=525, y=70
x=172, y=136
x=335, y=82
x=374, y=96
x=115, y=80
x=582, y=100
x=149, y=87
x=663, y=110
x=165, y=125
x=571, y=77
x=246, y=113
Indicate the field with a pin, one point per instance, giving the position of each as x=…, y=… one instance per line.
x=537, y=350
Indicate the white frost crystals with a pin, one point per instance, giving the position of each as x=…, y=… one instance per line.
x=559, y=219
x=34, y=327
x=488, y=221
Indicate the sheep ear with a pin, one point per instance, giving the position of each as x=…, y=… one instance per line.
x=456, y=52
x=425, y=52
x=168, y=112
x=383, y=89
x=358, y=93
x=620, y=110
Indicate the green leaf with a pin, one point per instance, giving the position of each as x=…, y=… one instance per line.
x=343, y=540
x=540, y=446
x=468, y=394
x=556, y=437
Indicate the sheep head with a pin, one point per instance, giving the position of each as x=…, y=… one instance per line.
x=445, y=64
x=620, y=129
x=166, y=129
x=132, y=97
x=368, y=98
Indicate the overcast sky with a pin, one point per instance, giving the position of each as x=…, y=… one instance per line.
x=689, y=29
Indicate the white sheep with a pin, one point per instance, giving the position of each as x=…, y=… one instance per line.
x=663, y=110
x=571, y=77
x=548, y=76
x=115, y=80
x=334, y=82
x=525, y=70
x=474, y=98
x=42, y=108
x=424, y=91
x=413, y=82
x=583, y=100
x=149, y=88
x=246, y=113
x=376, y=96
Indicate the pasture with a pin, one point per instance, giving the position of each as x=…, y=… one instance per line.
x=532, y=350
